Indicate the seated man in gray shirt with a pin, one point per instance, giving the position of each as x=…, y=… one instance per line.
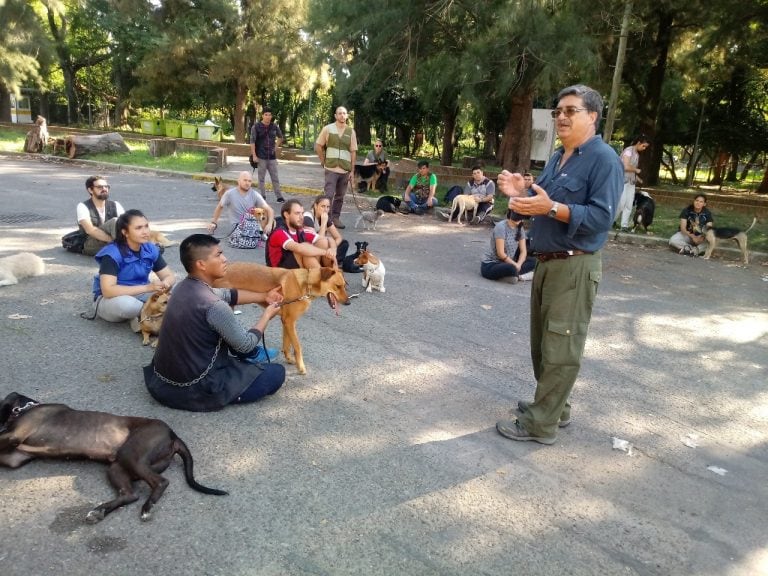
x=205, y=359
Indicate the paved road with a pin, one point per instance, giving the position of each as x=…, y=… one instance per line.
x=383, y=459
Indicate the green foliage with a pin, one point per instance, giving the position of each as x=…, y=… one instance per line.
x=22, y=46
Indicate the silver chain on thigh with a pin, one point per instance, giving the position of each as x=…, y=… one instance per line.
x=196, y=380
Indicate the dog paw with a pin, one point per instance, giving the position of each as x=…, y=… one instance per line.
x=369, y=289
x=94, y=516
x=382, y=289
x=145, y=516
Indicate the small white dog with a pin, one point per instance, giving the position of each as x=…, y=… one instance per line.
x=22, y=265
x=373, y=271
x=369, y=217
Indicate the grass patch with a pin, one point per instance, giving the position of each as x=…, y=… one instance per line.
x=12, y=140
x=189, y=162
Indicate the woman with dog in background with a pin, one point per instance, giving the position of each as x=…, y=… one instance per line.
x=123, y=284
x=507, y=257
x=691, y=239
x=319, y=219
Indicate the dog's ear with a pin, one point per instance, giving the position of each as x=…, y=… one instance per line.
x=364, y=246
x=13, y=400
x=326, y=273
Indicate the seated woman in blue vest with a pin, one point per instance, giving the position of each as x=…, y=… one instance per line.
x=123, y=283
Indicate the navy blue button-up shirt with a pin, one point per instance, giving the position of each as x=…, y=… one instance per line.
x=590, y=183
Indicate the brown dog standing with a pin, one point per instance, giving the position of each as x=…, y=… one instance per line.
x=299, y=287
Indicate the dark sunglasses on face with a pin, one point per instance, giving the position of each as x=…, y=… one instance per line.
x=102, y=186
x=567, y=111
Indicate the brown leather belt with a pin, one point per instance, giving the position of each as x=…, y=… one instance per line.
x=546, y=256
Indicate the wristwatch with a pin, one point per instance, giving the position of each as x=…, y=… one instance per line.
x=553, y=211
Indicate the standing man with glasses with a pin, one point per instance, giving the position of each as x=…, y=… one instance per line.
x=379, y=156
x=266, y=138
x=97, y=216
x=337, y=148
x=574, y=205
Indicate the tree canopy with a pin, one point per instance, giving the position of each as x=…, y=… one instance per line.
x=426, y=72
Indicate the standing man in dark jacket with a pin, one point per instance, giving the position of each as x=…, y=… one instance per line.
x=266, y=138
x=574, y=204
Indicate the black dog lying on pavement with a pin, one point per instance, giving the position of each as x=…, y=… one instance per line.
x=645, y=207
x=134, y=448
x=388, y=204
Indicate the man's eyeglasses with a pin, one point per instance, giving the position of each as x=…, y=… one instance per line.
x=102, y=186
x=377, y=145
x=567, y=111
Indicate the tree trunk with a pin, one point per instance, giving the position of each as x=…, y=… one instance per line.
x=515, y=150
x=748, y=166
x=78, y=146
x=5, y=104
x=648, y=92
x=241, y=90
x=362, y=128
x=763, y=188
x=449, y=127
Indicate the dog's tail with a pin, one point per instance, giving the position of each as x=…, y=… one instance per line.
x=754, y=221
x=182, y=450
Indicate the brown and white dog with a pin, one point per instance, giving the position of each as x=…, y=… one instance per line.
x=133, y=448
x=464, y=203
x=713, y=234
x=151, y=316
x=373, y=271
x=299, y=288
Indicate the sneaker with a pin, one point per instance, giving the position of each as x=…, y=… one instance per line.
x=259, y=356
x=443, y=214
x=513, y=430
x=404, y=208
x=135, y=324
x=510, y=279
x=475, y=220
x=527, y=277
x=686, y=250
x=338, y=224
x=419, y=211
x=522, y=406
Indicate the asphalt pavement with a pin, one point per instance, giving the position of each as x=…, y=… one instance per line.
x=384, y=459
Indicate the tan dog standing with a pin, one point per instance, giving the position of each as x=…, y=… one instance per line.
x=715, y=233
x=299, y=287
x=463, y=202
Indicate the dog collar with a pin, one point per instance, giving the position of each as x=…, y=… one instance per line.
x=17, y=411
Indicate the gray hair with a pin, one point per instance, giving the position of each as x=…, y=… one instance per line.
x=590, y=97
